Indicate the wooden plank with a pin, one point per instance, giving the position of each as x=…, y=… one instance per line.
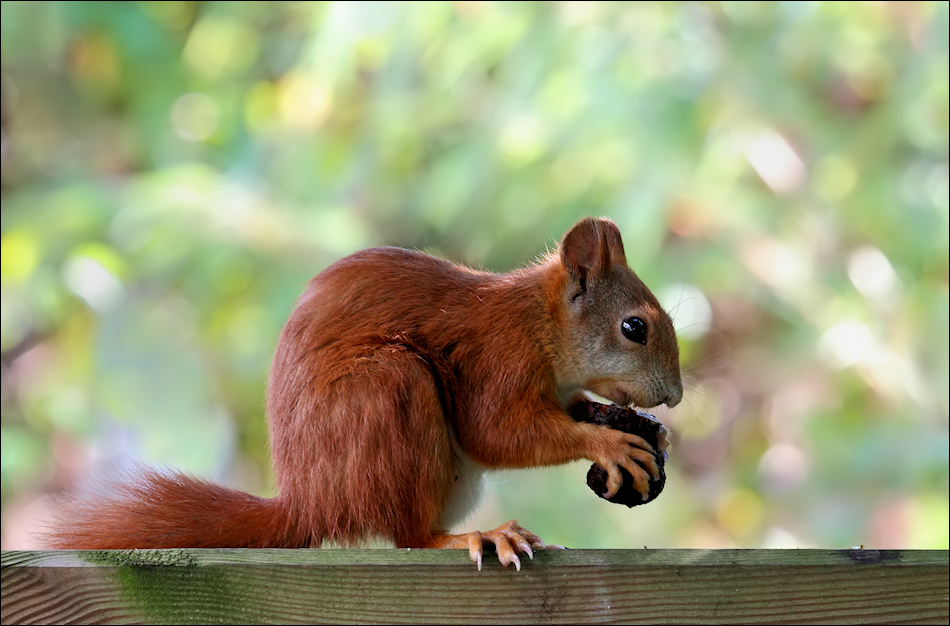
x=439, y=586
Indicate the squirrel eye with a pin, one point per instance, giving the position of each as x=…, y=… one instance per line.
x=635, y=329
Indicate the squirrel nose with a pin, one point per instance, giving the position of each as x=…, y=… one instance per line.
x=674, y=396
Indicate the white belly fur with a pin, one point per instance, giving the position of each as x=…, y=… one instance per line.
x=467, y=489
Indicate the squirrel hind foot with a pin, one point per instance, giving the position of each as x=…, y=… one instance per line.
x=508, y=540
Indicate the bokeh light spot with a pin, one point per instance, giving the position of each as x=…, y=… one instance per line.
x=19, y=255
x=776, y=162
x=689, y=309
x=195, y=116
x=739, y=512
x=872, y=274
x=91, y=281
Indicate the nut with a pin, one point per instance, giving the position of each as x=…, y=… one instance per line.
x=633, y=422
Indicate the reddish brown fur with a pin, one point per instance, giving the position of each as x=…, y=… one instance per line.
x=164, y=510
x=389, y=356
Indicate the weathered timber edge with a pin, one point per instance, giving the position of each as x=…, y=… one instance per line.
x=442, y=586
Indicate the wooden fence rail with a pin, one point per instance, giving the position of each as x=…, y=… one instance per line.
x=442, y=586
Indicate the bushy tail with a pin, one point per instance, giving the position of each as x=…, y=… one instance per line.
x=154, y=509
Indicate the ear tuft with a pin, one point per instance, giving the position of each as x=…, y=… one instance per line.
x=591, y=247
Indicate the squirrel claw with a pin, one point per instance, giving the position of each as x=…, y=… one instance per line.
x=631, y=453
x=508, y=539
x=526, y=549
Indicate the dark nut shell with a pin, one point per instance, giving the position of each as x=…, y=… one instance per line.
x=629, y=421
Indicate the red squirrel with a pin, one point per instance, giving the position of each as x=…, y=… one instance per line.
x=398, y=380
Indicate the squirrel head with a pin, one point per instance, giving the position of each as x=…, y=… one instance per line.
x=620, y=343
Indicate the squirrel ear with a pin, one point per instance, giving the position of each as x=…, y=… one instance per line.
x=591, y=247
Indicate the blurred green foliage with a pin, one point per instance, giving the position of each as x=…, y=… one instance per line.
x=174, y=172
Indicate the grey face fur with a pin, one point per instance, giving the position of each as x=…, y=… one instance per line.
x=602, y=293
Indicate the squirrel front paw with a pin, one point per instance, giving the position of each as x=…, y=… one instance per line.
x=613, y=449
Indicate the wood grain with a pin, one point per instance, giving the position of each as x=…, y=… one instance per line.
x=439, y=586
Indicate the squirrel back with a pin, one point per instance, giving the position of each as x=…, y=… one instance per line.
x=397, y=370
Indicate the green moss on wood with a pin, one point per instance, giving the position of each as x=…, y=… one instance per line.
x=140, y=558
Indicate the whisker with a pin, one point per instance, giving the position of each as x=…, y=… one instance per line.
x=708, y=325
x=672, y=312
x=699, y=392
x=711, y=356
